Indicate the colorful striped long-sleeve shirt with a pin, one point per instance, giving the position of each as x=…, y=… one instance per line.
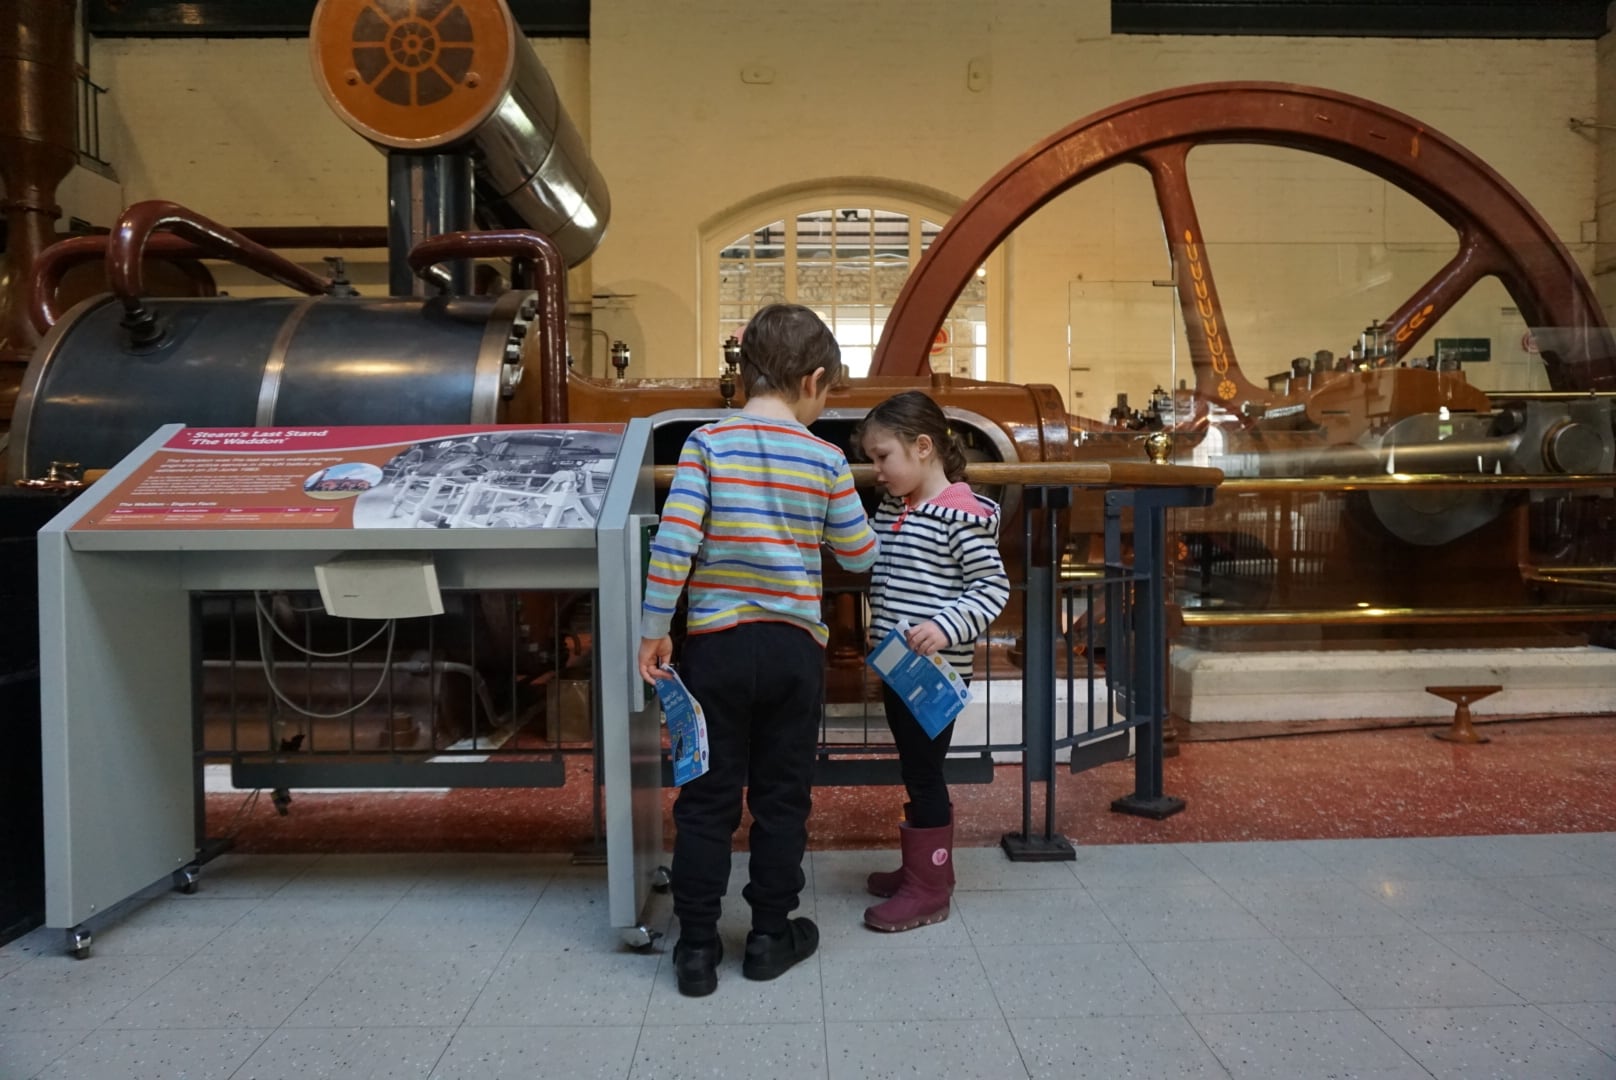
x=751, y=503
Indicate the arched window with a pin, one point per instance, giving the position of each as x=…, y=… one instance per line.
x=846, y=255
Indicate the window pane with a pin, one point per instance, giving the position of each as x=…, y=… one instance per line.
x=814, y=236
x=849, y=264
x=769, y=242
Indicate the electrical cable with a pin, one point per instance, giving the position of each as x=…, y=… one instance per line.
x=266, y=656
x=239, y=821
x=258, y=598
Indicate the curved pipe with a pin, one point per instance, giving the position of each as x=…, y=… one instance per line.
x=55, y=261
x=550, y=274
x=134, y=231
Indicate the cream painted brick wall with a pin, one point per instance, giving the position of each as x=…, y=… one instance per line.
x=237, y=130
x=879, y=90
x=858, y=90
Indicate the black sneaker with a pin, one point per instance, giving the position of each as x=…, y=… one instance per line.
x=696, y=967
x=769, y=956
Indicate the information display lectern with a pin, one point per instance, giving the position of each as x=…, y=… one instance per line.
x=191, y=510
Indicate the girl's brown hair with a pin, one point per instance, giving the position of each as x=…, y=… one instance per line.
x=910, y=415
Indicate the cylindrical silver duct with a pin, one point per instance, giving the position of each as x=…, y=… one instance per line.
x=455, y=76
x=533, y=171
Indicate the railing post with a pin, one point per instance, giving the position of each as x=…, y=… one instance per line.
x=1038, y=687
x=1147, y=696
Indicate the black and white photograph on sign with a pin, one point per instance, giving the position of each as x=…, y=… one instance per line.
x=494, y=480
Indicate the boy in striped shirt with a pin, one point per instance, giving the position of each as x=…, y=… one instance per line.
x=753, y=499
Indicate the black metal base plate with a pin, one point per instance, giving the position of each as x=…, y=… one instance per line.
x=1164, y=806
x=1019, y=847
x=592, y=853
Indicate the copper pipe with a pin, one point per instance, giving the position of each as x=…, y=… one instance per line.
x=550, y=273
x=134, y=230
x=1417, y=482
x=1402, y=615
x=1570, y=581
x=1550, y=395
x=55, y=261
x=36, y=154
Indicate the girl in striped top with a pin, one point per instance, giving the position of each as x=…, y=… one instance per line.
x=938, y=569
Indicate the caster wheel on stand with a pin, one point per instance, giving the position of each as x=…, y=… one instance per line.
x=79, y=941
x=282, y=799
x=641, y=937
x=185, y=879
x=661, y=881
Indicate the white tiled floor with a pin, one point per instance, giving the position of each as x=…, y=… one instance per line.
x=1481, y=958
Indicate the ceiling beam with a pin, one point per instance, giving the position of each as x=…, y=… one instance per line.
x=1363, y=18
x=285, y=18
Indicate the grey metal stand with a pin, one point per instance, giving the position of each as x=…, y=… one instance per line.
x=117, y=676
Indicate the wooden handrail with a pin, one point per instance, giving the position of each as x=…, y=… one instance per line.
x=1097, y=474
x=1414, y=481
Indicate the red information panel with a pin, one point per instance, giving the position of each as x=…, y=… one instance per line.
x=476, y=477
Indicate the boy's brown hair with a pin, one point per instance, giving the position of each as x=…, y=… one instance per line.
x=784, y=344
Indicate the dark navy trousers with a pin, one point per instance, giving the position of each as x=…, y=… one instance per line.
x=762, y=689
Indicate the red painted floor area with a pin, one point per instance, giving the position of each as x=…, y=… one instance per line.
x=1534, y=777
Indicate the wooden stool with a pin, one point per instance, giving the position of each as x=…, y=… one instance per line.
x=1462, y=730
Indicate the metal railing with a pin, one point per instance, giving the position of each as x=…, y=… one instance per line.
x=87, y=124
x=290, y=697
x=497, y=692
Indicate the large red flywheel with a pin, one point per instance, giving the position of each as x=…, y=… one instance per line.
x=1500, y=234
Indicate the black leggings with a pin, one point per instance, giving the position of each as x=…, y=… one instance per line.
x=920, y=759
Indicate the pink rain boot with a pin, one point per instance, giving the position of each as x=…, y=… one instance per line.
x=922, y=898
x=884, y=883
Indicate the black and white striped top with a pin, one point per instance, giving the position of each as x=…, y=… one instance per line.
x=939, y=561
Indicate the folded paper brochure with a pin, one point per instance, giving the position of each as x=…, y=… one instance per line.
x=929, y=685
x=687, y=728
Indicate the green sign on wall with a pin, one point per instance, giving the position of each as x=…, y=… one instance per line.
x=1464, y=350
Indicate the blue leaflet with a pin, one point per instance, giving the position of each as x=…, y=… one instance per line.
x=929, y=685
x=687, y=728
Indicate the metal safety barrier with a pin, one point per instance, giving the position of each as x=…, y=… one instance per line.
x=497, y=692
